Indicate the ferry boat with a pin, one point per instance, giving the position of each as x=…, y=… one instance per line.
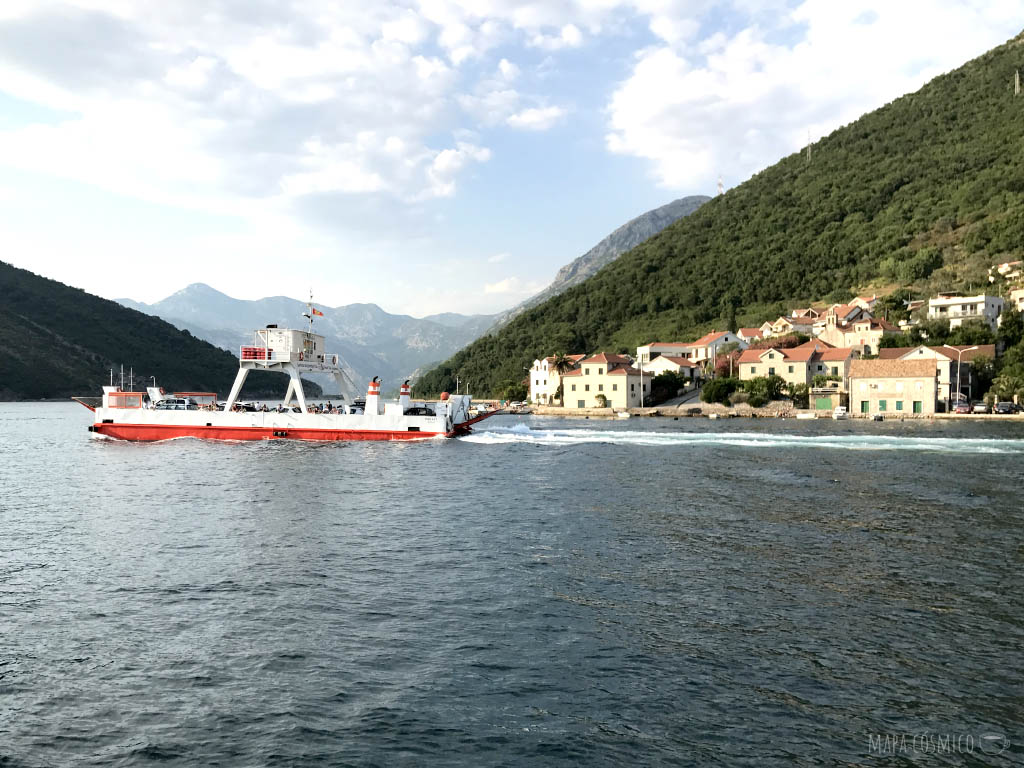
x=157, y=415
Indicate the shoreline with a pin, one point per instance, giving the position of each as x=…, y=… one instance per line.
x=718, y=411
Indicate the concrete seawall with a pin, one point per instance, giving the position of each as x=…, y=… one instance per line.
x=775, y=410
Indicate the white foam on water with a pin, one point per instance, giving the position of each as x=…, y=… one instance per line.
x=522, y=434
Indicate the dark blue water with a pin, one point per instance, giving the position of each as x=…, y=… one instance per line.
x=545, y=592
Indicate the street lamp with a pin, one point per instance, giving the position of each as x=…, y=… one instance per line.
x=958, y=354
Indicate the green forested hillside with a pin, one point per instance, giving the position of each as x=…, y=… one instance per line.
x=925, y=193
x=59, y=341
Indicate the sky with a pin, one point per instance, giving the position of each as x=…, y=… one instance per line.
x=424, y=155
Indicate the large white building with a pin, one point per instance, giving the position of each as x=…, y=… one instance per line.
x=958, y=308
x=544, y=379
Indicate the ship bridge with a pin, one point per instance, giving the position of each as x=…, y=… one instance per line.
x=287, y=351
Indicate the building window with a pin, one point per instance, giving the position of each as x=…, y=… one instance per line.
x=771, y=371
x=600, y=387
x=573, y=387
x=753, y=370
x=581, y=403
x=791, y=369
x=586, y=387
x=632, y=387
x=615, y=387
x=835, y=370
x=864, y=406
x=881, y=405
x=899, y=405
x=586, y=371
x=600, y=371
x=917, y=406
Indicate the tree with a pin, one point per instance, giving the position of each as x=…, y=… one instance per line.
x=727, y=360
x=763, y=389
x=890, y=341
x=514, y=391
x=1011, y=328
x=718, y=390
x=562, y=365
x=970, y=333
x=780, y=342
x=1008, y=387
x=983, y=369
x=666, y=385
x=602, y=401
x=800, y=394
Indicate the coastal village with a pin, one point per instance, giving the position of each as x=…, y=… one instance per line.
x=814, y=360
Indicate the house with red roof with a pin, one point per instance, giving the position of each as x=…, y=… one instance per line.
x=896, y=387
x=669, y=364
x=953, y=366
x=606, y=381
x=864, y=333
x=798, y=365
x=703, y=350
x=784, y=326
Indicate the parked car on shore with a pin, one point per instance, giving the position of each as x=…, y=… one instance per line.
x=962, y=407
x=1007, y=407
x=981, y=407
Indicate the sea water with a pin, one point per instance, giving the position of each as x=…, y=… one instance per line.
x=541, y=592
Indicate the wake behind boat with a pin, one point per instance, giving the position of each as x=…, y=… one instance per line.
x=156, y=415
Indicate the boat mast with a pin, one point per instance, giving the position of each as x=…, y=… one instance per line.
x=309, y=310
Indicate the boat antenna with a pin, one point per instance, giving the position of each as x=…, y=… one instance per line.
x=122, y=377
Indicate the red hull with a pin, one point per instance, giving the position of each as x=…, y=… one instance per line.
x=153, y=432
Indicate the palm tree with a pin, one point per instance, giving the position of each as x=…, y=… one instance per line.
x=562, y=364
x=1008, y=386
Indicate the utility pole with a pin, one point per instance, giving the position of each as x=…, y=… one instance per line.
x=721, y=187
x=808, y=152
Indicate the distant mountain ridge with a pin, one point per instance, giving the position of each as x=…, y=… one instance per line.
x=371, y=342
x=628, y=236
x=60, y=341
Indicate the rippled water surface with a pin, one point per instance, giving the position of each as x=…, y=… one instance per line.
x=543, y=592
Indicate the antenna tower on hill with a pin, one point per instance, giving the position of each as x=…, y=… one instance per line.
x=721, y=187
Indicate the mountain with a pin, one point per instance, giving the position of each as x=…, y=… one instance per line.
x=923, y=193
x=370, y=341
x=59, y=341
x=629, y=235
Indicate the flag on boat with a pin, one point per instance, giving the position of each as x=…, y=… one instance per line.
x=317, y=312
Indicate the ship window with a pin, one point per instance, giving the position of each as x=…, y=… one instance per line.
x=122, y=400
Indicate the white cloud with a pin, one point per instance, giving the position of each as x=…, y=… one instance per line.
x=735, y=104
x=490, y=106
x=536, y=118
x=568, y=37
x=495, y=259
x=508, y=70
x=447, y=164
